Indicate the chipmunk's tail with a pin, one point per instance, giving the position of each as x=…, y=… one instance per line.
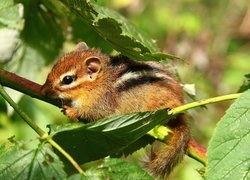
x=165, y=156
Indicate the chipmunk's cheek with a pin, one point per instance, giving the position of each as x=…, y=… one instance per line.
x=61, y=96
x=64, y=96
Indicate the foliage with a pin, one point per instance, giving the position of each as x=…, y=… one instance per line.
x=106, y=137
x=114, y=169
x=34, y=33
x=123, y=36
x=228, y=150
x=42, y=163
x=39, y=163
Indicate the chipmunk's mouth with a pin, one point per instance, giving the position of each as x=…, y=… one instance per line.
x=66, y=102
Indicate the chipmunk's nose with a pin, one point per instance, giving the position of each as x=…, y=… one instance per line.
x=47, y=90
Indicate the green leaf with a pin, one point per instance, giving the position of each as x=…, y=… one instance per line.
x=228, y=150
x=115, y=29
x=104, y=137
x=41, y=163
x=114, y=169
x=246, y=84
x=91, y=37
x=137, y=145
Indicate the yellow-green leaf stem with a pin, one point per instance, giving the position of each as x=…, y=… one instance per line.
x=185, y=107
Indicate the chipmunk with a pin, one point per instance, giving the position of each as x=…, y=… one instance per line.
x=93, y=85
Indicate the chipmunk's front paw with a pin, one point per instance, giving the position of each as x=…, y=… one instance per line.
x=70, y=112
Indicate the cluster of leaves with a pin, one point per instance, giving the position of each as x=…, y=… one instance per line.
x=38, y=41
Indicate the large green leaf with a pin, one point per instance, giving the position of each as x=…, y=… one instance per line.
x=228, y=151
x=115, y=29
x=96, y=140
x=87, y=34
x=41, y=163
x=114, y=169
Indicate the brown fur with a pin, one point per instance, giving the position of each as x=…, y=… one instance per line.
x=98, y=98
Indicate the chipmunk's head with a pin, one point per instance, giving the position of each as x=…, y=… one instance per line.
x=73, y=71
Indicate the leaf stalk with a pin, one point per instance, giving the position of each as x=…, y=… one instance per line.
x=188, y=106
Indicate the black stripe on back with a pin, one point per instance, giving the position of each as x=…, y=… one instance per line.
x=133, y=66
x=139, y=81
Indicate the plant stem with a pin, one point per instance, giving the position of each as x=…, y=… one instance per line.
x=38, y=130
x=67, y=155
x=23, y=115
x=185, y=107
x=197, y=152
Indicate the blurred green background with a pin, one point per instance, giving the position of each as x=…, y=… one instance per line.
x=212, y=36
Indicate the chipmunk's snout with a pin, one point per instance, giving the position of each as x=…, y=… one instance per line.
x=49, y=91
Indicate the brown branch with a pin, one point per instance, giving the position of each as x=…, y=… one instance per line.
x=25, y=86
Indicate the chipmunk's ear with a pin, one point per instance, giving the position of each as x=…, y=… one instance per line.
x=93, y=67
x=81, y=46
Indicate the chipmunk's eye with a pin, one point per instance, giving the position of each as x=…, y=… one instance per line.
x=68, y=79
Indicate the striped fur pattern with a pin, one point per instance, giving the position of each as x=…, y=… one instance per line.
x=137, y=73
